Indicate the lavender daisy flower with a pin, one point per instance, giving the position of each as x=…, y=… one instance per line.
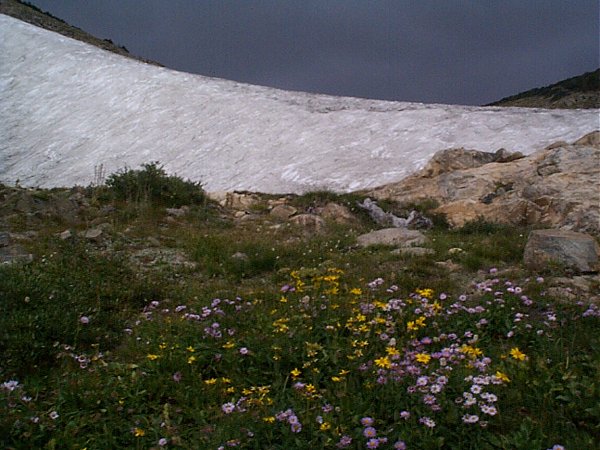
x=228, y=408
x=370, y=432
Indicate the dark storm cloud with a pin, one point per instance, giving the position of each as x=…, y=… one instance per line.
x=469, y=52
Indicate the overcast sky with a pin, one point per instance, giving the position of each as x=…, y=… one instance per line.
x=433, y=51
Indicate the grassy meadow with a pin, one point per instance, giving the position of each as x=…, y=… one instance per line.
x=270, y=336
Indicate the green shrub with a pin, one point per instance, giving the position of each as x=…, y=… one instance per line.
x=151, y=184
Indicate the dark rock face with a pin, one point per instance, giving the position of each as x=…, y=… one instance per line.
x=578, y=252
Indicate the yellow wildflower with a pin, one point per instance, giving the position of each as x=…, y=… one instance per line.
x=210, y=381
x=190, y=349
x=310, y=388
x=325, y=426
x=474, y=352
x=427, y=293
x=138, y=432
x=391, y=351
x=191, y=359
x=356, y=291
x=517, y=354
x=296, y=372
x=336, y=379
x=270, y=419
x=152, y=357
x=502, y=376
x=384, y=362
x=423, y=358
x=229, y=344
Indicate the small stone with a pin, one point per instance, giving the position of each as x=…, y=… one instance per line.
x=399, y=237
x=5, y=239
x=283, y=212
x=413, y=251
x=153, y=242
x=336, y=213
x=67, y=234
x=108, y=209
x=310, y=222
x=94, y=234
x=240, y=256
x=449, y=265
x=178, y=212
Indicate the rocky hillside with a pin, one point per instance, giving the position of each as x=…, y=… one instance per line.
x=32, y=14
x=582, y=91
x=555, y=187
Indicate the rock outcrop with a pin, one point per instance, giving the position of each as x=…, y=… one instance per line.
x=558, y=186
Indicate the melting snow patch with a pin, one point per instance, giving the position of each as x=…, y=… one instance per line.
x=66, y=107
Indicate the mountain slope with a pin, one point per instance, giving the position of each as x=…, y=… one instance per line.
x=67, y=107
x=31, y=14
x=582, y=91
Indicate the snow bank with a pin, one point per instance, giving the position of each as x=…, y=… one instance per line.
x=67, y=107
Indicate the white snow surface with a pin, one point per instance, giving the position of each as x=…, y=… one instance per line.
x=67, y=107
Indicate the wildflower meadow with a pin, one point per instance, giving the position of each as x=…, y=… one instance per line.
x=349, y=348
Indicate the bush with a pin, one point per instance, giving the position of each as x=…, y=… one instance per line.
x=151, y=184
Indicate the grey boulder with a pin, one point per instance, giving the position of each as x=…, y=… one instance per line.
x=578, y=252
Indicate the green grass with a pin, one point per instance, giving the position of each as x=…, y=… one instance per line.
x=236, y=352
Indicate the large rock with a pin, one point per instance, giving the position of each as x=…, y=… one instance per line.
x=555, y=187
x=397, y=237
x=575, y=251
